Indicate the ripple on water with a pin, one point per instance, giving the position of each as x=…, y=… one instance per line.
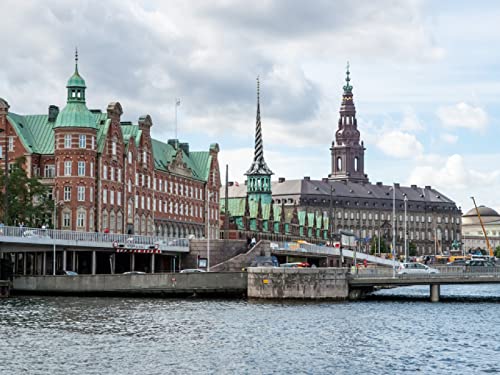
x=61, y=335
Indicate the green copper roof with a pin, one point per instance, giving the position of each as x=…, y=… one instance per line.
x=36, y=132
x=76, y=80
x=75, y=115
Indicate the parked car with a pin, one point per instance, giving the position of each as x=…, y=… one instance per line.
x=295, y=265
x=134, y=273
x=415, y=268
x=70, y=273
x=458, y=262
x=36, y=233
x=192, y=270
x=263, y=261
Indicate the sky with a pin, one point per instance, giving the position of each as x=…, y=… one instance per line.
x=425, y=76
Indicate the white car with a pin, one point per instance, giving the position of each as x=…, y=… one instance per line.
x=415, y=269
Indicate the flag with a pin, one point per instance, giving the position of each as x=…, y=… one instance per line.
x=236, y=183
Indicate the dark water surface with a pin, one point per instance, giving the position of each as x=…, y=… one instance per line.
x=385, y=334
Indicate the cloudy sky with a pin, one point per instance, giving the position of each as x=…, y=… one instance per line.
x=425, y=77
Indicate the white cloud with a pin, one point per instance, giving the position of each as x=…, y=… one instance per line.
x=400, y=144
x=453, y=174
x=463, y=115
x=449, y=138
x=411, y=121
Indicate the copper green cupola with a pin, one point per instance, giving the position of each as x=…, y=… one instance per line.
x=259, y=174
x=76, y=113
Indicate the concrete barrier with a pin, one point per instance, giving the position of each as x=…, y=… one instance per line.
x=161, y=284
x=298, y=283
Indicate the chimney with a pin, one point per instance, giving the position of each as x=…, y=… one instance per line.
x=53, y=113
x=173, y=142
x=396, y=184
x=324, y=179
x=379, y=183
x=184, y=147
x=428, y=187
x=413, y=186
x=307, y=178
x=281, y=179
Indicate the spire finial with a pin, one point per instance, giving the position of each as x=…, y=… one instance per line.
x=258, y=89
x=76, y=59
x=347, y=87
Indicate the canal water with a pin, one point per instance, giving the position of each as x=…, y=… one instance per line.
x=395, y=331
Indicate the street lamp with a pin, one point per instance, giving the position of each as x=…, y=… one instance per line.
x=393, y=229
x=209, y=195
x=54, y=236
x=406, y=234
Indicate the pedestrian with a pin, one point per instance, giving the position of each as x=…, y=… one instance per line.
x=253, y=242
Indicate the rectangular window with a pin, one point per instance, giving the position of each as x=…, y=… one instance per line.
x=130, y=157
x=80, y=222
x=161, y=185
x=49, y=171
x=81, y=193
x=111, y=197
x=91, y=169
x=429, y=219
x=81, y=168
x=66, y=219
x=67, y=193
x=105, y=196
x=67, y=168
x=142, y=202
x=149, y=182
x=82, y=141
x=67, y=141
x=119, y=198
x=136, y=201
x=137, y=179
x=143, y=180
x=149, y=203
x=112, y=173
x=93, y=142
x=1, y=152
x=91, y=195
x=105, y=172
x=113, y=148
x=119, y=173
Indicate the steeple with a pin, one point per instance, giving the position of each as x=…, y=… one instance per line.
x=259, y=174
x=76, y=113
x=348, y=153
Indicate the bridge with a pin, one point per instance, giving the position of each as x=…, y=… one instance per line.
x=448, y=275
x=40, y=251
x=298, y=249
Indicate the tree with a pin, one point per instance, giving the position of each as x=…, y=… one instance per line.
x=27, y=198
x=497, y=251
x=374, y=246
x=412, y=249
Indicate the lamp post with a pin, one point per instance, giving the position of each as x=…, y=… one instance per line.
x=406, y=234
x=393, y=230
x=209, y=195
x=54, y=236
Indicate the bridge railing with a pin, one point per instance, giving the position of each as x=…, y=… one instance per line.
x=443, y=272
x=50, y=235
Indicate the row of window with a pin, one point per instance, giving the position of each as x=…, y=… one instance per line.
x=80, y=193
x=82, y=141
x=81, y=218
x=414, y=235
x=410, y=218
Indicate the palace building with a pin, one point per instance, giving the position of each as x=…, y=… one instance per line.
x=293, y=209
x=107, y=174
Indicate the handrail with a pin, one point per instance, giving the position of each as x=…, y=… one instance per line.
x=47, y=235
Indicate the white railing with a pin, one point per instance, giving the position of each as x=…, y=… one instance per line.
x=444, y=271
x=47, y=236
x=327, y=250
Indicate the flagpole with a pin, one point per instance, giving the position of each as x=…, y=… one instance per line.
x=177, y=103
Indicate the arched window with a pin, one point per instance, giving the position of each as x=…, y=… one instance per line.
x=356, y=164
x=339, y=163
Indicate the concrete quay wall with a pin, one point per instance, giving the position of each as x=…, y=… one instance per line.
x=298, y=283
x=161, y=284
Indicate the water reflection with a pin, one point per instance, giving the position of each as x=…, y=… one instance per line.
x=55, y=335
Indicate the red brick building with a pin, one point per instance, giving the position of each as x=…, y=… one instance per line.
x=109, y=174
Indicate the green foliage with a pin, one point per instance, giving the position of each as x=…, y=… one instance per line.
x=412, y=249
x=27, y=199
x=374, y=246
x=497, y=251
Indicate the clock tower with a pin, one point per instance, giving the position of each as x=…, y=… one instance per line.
x=348, y=152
